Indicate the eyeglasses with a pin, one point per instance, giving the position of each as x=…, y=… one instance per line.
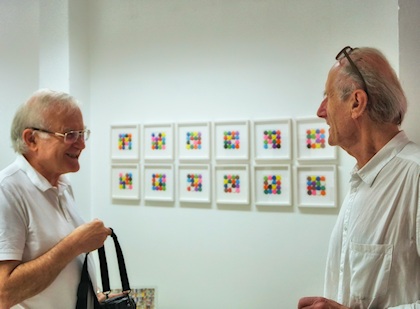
x=70, y=137
x=345, y=52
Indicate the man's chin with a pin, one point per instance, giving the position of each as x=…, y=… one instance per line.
x=332, y=142
x=73, y=168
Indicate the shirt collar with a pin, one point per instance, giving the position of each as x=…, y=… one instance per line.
x=369, y=172
x=38, y=180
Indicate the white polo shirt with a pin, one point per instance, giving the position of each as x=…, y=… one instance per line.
x=374, y=255
x=34, y=217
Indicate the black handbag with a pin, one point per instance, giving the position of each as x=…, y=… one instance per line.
x=124, y=301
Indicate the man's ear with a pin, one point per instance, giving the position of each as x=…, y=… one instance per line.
x=29, y=138
x=359, y=103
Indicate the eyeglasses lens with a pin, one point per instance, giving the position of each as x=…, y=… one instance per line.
x=73, y=136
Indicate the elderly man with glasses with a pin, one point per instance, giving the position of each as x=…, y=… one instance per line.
x=374, y=252
x=42, y=238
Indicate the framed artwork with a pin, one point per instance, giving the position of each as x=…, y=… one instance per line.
x=159, y=182
x=231, y=184
x=194, y=183
x=316, y=186
x=273, y=185
x=158, y=141
x=125, y=181
x=231, y=140
x=272, y=139
x=125, y=142
x=193, y=141
x=312, y=140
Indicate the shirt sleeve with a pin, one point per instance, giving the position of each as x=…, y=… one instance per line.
x=418, y=219
x=12, y=227
x=415, y=305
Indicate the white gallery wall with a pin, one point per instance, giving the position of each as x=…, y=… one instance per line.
x=19, y=63
x=142, y=61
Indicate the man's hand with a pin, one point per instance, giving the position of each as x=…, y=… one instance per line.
x=319, y=303
x=90, y=236
x=102, y=297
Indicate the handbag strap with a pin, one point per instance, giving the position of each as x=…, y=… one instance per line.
x=85, y=285
x=121, y=266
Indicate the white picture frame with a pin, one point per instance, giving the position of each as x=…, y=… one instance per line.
x=316, y=186
x=312, y=140
x=194, y=183
x=125, y=142
x=158, y=141
x=273, y=140
x=273, y=185
x=159, y=182
x=194, y=140
x=231, y=140
x=232, y=184
x=125, y=181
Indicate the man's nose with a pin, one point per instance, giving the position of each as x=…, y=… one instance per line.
x=322, y=110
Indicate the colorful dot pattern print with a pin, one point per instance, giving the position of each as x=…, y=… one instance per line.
x=231, y=183
x=315, y=138
x=158, y=182
x=194, y=182
x=272, y=139
x=316, y=185
x=125, y=141
x=231, y=140
x=193, y=140
x=126, y=181
x=158, y=140
x=272, y=184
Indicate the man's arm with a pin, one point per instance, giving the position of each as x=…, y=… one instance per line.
x=319, y=303
x=19, y=281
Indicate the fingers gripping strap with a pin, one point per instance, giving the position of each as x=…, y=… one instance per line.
x=85, y=283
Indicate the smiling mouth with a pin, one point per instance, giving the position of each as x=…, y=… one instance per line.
x=73, y=156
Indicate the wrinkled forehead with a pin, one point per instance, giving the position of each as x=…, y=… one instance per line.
x=333, y=74
x=64, y=117
x=62, y=107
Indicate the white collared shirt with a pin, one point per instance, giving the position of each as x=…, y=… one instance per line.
x=374, y=252
x=34, y=217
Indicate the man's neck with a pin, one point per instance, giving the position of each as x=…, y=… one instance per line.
x=371, y=142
